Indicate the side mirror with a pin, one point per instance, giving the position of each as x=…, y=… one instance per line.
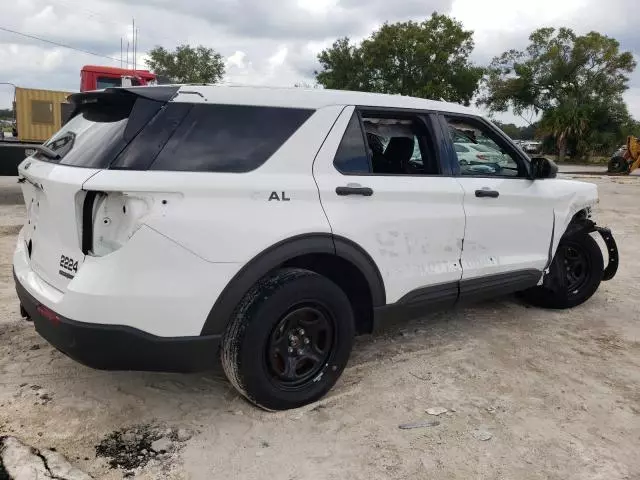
x=542, y=167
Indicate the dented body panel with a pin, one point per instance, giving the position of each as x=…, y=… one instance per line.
x=570, y=197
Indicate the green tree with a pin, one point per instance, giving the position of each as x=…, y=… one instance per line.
x=573, y=81
x=527, y=132
x=6, y=114
x=511, y=129
x=429, y=59
x=187, y=64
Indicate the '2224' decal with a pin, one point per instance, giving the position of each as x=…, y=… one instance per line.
x=68, y=263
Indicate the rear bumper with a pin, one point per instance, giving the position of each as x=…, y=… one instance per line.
x=118, y=347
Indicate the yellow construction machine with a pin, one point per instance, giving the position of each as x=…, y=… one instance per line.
x=627, y=159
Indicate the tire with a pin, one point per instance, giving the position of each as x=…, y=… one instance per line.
x=572, y=289
x=617, y=164
x=266, y=353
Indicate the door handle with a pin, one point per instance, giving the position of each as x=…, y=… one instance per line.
x=364, y=191
x=487, y=193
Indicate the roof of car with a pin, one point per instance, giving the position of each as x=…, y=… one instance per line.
x=306, y=98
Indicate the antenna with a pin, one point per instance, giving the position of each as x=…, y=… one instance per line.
x=120, y=52
x=133, y=35
x=137, y=30
x=127, y=54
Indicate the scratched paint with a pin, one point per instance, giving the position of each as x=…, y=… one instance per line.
x=410, y=270
x=393, y=243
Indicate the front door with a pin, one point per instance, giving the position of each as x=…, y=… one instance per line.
x=509, y=218
x=382, y=186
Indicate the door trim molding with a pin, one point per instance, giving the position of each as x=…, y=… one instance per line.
x=416, y=304
x=491, y=286
x=425, y=300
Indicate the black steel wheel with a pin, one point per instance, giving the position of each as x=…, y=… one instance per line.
x=289, y=339
x=300, y=345
x=576, y=266
x=574, y=275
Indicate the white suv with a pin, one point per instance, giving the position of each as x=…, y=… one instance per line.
x=169, y=227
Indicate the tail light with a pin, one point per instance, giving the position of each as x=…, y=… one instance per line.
x=48, y=314
x=481, y=157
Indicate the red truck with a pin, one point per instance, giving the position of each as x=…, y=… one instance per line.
x=95, y=77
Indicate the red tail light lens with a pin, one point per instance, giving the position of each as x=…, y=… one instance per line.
x=481, y=157
x=48, y=314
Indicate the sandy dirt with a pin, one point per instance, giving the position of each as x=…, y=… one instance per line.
x=530, y=394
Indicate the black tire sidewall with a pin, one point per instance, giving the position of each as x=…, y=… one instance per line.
x=559, y=299
x=265, y=313
x=617, y=165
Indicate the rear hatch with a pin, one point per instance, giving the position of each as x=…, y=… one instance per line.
x=59, y=211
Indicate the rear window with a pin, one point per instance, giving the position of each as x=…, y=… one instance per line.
x=98, y=131
x=228, y=138
x=87, y=139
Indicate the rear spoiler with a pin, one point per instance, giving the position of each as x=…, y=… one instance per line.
x=159, y=94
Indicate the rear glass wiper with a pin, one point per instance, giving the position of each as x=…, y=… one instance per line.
x=47, y=152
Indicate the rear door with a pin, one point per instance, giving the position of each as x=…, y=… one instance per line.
x=382, y=186
x=52, y=181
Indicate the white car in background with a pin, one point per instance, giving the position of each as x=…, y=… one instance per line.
x=479, y=156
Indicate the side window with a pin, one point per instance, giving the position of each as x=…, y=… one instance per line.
x=351, y=157
x=108, y=82
x=480, y=151
x=228, y=138
x=149, y=142
x=399, y=145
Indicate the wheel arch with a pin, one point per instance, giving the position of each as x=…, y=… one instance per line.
x=338, y=258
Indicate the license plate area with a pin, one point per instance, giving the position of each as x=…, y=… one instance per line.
x=68, y=266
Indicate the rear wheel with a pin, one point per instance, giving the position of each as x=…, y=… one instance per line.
x=289, y=340
x=574, y=275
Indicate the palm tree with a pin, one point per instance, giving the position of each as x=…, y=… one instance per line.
x=566, y=120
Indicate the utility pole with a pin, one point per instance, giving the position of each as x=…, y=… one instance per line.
x=133, y=34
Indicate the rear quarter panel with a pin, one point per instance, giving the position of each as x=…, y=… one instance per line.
x=231, y=217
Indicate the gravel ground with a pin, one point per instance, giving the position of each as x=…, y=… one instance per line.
x=529, y=394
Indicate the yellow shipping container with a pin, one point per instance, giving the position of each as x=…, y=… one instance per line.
x=38, y=113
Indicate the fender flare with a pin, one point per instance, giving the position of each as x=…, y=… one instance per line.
x=278, y=254
x=584, y=225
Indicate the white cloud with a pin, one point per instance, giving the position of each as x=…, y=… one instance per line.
x=268, y=43
x=236, y=60
x=324, y=7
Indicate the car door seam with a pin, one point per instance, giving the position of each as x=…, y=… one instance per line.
x=553, y=233
x=313, y=175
